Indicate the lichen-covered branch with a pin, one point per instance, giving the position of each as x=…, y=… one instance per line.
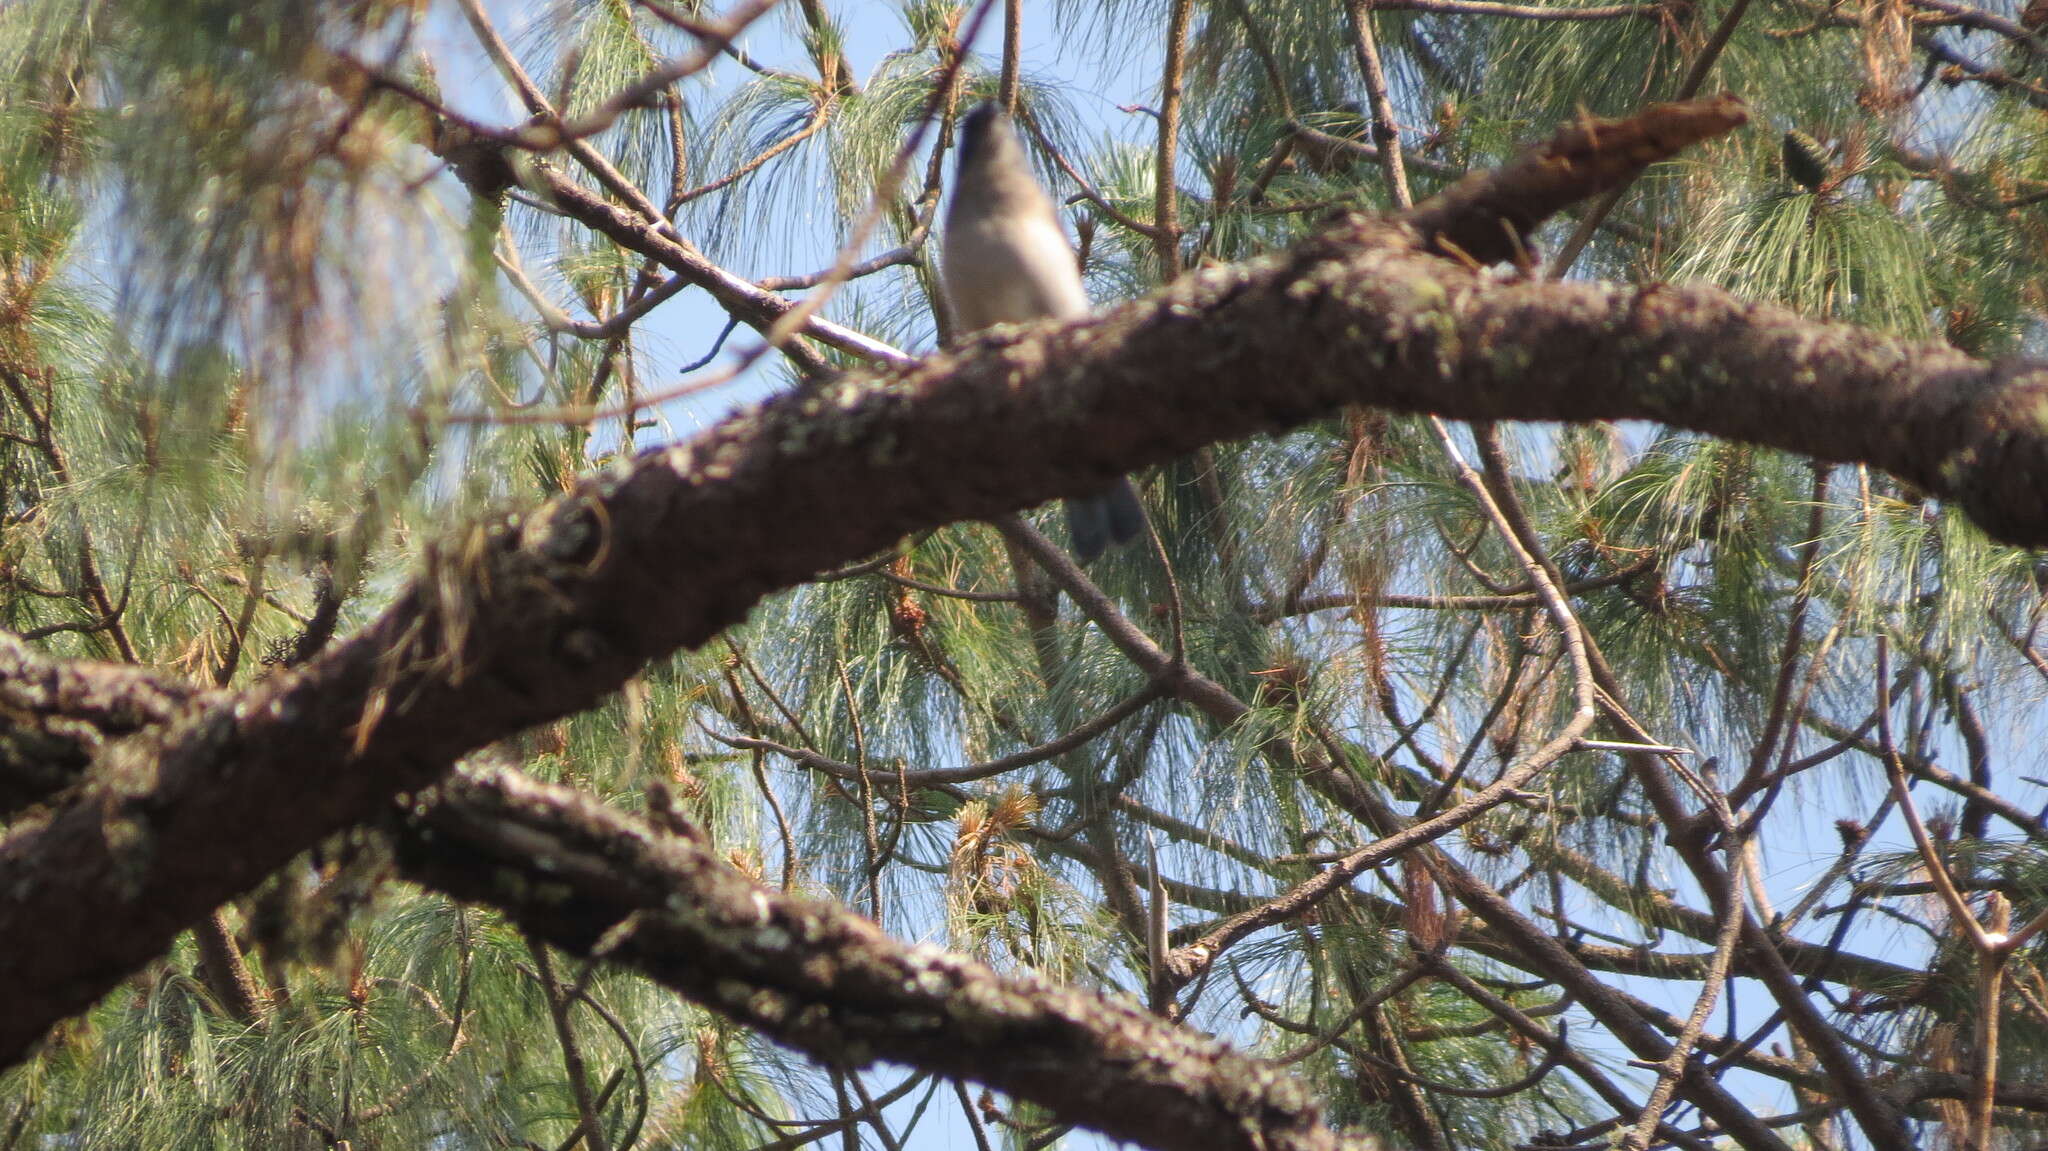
x=1489, y=215
x=830, y=983
x=535, y=615
x=56, y=716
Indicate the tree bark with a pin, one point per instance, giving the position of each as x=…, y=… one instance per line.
x=531, y=616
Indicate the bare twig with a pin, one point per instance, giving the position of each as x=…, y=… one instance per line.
x=1386, y=133
x=560, y=1006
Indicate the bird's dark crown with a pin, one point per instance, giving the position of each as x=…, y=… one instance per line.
x=977, y=126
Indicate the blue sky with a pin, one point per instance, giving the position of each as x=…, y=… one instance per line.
x=1096, y=85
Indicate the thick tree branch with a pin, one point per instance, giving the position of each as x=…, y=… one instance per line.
x=532, y=616
x=55, y=717
x=830, y=983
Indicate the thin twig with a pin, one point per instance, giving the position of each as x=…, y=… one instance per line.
x=1386, y=134
x=1673, y=1066
x=559, y=1008
x=1937, y=870
x=933, y=777
x=647, y=91
x=819, y=116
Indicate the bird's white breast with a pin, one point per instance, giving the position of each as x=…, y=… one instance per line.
x=1018, y=270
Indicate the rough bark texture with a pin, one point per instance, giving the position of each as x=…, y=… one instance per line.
x=1489, y=216
x=829, y=982
x=537, y=615
x=55, y=717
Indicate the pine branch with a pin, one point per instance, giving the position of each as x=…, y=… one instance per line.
x=1489, y=216
x=829, y=983
x=529, y=617
x=61, y=715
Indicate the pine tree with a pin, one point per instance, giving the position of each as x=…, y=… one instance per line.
x=1580, y=687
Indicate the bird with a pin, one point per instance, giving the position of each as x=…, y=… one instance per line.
x=1005, y=260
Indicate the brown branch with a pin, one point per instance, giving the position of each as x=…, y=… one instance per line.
x=225, y=972
x=1309, y=892
x=1013, y=58
x=561, y=1007
x=641, y=227
x=821, y=979
x=668, y=14
x=1536, y=949
x=1789, y=653
x=1673, y=1065
x=951, y=776
x=1086, y=190
x=950, y=592
x=1166, y=231
x=2028, y=823
x=1386, y=134
x=1540, y=952
x=650, y=89
x=1962, y=68
x=1554, y=1045
x=1508, y=600
x=1323, y=1037
x=1490, y=215
x=819, y=115
x=757, y=307
x=1690, y=835
x=816, y=1129
x=1695, y=76
x=525, y=618
x=63, y=715
x=1967, y=16
x=1878, y=1117
x=546, y=118
x=616, y=324
x=1660, y=911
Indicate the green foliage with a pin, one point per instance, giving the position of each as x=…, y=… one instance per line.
x=262, y=347
x=1851, y=258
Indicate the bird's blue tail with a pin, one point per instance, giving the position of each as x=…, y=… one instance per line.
x=1113, y=516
